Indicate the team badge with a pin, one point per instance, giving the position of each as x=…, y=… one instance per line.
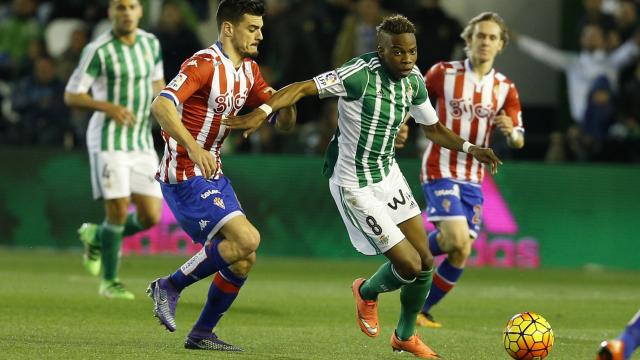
x=219, y=203
x=410, y=91
x=446, y=204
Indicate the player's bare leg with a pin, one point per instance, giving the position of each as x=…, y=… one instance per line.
x=147, y=214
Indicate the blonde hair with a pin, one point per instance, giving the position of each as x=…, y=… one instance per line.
x=485, y=16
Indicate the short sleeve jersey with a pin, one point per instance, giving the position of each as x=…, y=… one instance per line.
x=371, y=107
x=120, y=74
x=207, y=88
x=468, y=106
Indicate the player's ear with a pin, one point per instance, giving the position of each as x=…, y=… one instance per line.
x=227, y=29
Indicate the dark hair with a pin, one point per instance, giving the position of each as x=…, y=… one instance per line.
x=396, y=24
x=232, y=10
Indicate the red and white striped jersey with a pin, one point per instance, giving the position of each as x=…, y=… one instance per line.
x=467, y=105
x=208, y=87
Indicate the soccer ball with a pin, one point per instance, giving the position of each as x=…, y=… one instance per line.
x=528, y=336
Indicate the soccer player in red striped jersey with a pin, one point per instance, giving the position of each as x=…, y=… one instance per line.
x=472, y=99
x=215, y=82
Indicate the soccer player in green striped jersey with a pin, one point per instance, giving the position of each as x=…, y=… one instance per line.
x=118, y=76
x=376, y=92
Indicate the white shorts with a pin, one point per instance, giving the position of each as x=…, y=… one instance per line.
x=118, y=174
x=371, y=213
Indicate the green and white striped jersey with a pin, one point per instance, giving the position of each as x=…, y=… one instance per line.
x=123, y=75
x=371, y=108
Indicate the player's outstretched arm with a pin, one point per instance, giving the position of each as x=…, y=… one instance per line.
x=166, y=114
x=441, y=135
x=286, y=118
x=285, y=97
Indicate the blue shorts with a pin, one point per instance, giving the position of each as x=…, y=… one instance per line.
x=202, y=206
x=447, y=200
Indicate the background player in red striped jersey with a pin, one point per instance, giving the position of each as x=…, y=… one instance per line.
x=123, y=70
x=472, y=99
x=215, y=82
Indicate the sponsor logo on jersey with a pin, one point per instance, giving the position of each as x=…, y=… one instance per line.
x=455, y=191
x=328, y=79
x=208, y=193
x=203, y=224
x=458, y=107
x=177, y=81
x=219, y=202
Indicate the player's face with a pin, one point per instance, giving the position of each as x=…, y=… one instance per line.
x=125, y=16
x=486, y=41
x=247, y=34
x=399, y=53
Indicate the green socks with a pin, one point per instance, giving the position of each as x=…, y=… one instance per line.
x=111, y=238
x=132, y=225
x=411, y=299
x=384, y=280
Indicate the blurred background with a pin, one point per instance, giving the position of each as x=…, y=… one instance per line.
x=568, y=199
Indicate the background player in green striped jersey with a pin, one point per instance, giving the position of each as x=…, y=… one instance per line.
x=376, y=91
x=123, y=71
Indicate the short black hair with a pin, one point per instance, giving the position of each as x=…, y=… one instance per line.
x=232, y=10
x=396, y=25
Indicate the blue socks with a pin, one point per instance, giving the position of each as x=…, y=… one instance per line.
x=631, y=336
x=206, y=262
x=222, y=292
x=444, y=279
x=433, y=243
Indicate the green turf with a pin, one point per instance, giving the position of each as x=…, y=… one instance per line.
x=294, y=309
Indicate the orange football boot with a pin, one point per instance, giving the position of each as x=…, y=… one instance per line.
x=611, y=350
x=413, y=345
x=366, y=311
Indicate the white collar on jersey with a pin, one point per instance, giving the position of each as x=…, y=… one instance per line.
x=469, y=67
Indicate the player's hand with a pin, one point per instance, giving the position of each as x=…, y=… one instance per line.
x=486, y=156
x=120, y=114
x=403, y=135
x=204, y=160
x=504, y=123
x=251, y=122
x=269, y=90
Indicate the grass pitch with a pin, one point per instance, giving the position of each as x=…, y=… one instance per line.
x=294, y=309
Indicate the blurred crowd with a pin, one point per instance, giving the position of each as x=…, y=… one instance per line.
x=41, y=42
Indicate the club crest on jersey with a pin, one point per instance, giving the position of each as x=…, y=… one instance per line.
x=219, y=202
x=446, y=205
x=177, y=81
x=410, y=91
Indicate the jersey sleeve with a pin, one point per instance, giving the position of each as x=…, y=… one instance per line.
x=421, y=109
x=257, y=95
x=512, y=107
x=195, y=73
x=434, y=79
x=88, y=69
x=158, y=68
x=349, y=80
